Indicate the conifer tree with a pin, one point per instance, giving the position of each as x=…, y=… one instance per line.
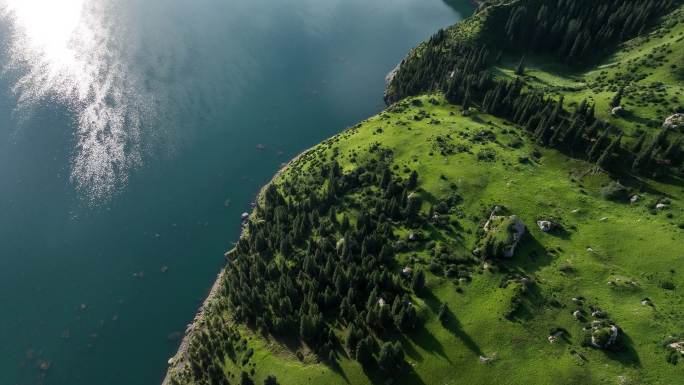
x=520, y=69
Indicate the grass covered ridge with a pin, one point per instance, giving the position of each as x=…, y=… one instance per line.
x=380, y=255
x=611, y=254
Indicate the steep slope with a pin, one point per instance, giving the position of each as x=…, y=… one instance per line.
x=379, y=256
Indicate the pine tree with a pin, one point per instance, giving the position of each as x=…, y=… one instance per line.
x=639, y=144
x=418, y=281
x=617, y=98
x=364, y=351
x=608, y=152
x=520, y=69
x=443, y=312
x=466, y=100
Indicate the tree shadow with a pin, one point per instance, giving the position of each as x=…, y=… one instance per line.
x=530, y=256
x=379, y=377
x=408, y=347
x=423, y=338
x=626, y=354
x=452, y=324
x=335, y=367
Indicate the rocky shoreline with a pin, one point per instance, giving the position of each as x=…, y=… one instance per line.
x=180, y=359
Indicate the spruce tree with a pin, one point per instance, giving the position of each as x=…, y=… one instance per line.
x=617, y=98
x=608, y=152
x=520, y=69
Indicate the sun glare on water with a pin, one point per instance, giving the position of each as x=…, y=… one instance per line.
x=69, y=51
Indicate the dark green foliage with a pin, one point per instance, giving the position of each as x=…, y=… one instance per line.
x=245, y=379
x=364, y=351
x=270, y=380
x=418, y=281
x=443, y=313
x=617, y=99
x=520, y=69
x=391, y=357
x=577, y=30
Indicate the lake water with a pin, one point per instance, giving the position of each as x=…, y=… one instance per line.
x=133, y=133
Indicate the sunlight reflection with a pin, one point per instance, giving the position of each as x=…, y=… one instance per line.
x=68, y=50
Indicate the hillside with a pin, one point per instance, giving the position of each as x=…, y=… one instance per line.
x=500, y=222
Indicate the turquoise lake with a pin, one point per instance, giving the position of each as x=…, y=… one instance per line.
x=134, y=133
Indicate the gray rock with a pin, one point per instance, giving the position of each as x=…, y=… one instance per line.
x=674, y=121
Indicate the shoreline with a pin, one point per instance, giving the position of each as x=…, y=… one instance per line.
x=178, y=360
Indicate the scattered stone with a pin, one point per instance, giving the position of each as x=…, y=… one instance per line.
x=83, y=306
x=227, y=202
x=603, y=219
x=260, y=147
x=577, y=301
x=555, y=336
x=602, y=335
x=381, y=302
x=598, y=314
x=244, y=216
x=545, y=226
x=677, y=346
x=646, y=302
x=617, y=111
x=674, y=121
x=485, y=360
x=577, y=314
x=139, y=274
x=661, y=206
x=634, y=199
x=164, y=269
x=407, y=271
x=589, y=249
x=413, y=237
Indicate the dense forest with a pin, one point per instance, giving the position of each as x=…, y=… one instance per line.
x=573, y=30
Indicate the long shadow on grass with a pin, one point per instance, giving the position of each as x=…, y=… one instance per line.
x=423, y=338
x=452, y=324
x=627, y=355
x=335, y=367
x=530, y=256
x=378, y=377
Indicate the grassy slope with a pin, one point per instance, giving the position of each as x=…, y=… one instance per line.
x=630, y=244
x=656, y=59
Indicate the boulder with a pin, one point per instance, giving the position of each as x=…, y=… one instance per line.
x=617, y=111
x=634, y=199
x=675, y=121
x=603, y=335
x=545, y=225
x=677, y=346
x=661, y=206
x=503, y=234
